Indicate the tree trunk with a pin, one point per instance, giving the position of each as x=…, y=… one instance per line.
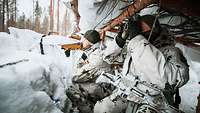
x=46, y=25
x=37, y=24
x=7, y=13
x=65, y=23
x=51, y=15
x=15, y=6
x=58, y=16
x=3, y=16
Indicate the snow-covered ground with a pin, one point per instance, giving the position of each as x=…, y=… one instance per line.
x=191, y=90
x=28, y=79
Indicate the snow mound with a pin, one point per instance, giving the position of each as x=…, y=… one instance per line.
x=191, y=90
x=31, y=81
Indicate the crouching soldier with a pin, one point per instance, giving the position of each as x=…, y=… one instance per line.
x=151, y=57
x=84, y=92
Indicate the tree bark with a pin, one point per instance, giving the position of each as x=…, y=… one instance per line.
x=58, y=16
x=15, y=2
x=0, y=16
x=7, y=13
x=51, y=15
x=3, y=16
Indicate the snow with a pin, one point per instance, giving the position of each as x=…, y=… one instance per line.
x=28, y=83
x=89, y=17
x=26, y=86
x=22, y=85
x=191, y=90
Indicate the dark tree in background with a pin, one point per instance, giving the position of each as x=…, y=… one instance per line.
x=51, y=13
x=41, y=21
x=45, y=25
x=8, y=12
x=28, y=24
x=38, y=9
x=38, y=12
x=21, y=21
x=3, y=15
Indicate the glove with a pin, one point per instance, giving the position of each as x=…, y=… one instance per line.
x=67, y=53
x=121, y=36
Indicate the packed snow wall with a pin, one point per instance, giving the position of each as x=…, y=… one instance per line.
x=31, y=81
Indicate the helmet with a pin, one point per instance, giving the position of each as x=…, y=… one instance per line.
x=92, y=36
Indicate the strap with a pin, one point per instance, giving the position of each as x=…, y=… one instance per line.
x=154, y=23
x=41, y=46
x=129, y=65
x=177, y=98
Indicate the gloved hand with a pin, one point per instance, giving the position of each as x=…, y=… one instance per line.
x=128, y=29
x=122, y=35
x=125, y=32
x=67, y=53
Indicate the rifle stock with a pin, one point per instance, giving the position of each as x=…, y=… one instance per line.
x=73, y=46
x=74, y=36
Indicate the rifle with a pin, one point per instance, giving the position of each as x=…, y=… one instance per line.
x=74, y=36
x=73, y=46
x=68, y=47
x=141, y=95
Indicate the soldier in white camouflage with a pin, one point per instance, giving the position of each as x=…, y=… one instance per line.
x=84, y=92
x=151, y=57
